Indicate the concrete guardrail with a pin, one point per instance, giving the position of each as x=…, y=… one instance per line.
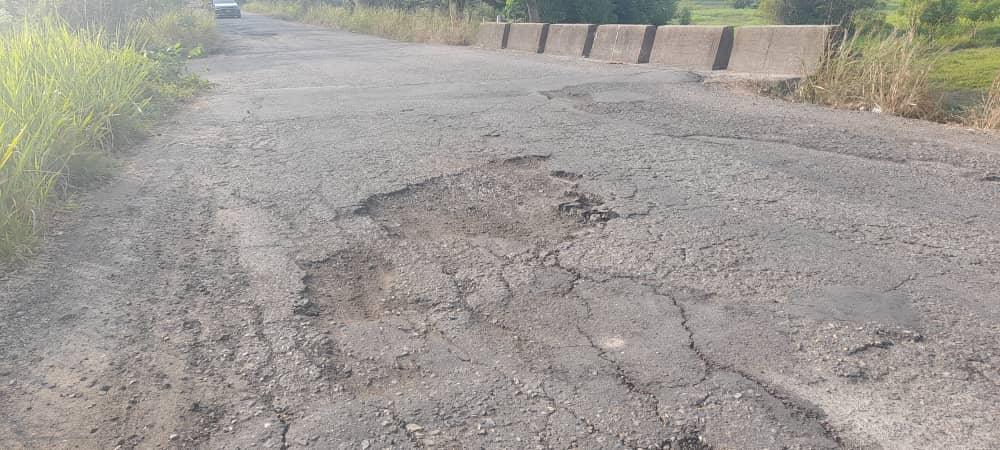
x=780, y=49
x=527, y=37
x=492, y=35
x=692, y=47
x=789, y=50
x=623, y=43
x=570, y=39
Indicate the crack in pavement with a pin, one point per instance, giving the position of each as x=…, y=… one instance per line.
x=712, y=365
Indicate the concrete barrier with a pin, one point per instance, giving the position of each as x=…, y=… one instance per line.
x=492, y=35
x=623, y=43
x=570, y=39
x=527, y=37
x=780, y=49
x=692, y=47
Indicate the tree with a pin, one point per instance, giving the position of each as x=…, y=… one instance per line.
x=980, y=11
x=685, y=16
x=928, y=15
x=106, y=13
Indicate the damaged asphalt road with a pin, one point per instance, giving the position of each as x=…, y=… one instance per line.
x=358, y=243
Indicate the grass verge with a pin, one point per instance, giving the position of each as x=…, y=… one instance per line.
x=911, y=78
x=69, y=98
x=972, y=69
x=727, y=16
x=424, y=25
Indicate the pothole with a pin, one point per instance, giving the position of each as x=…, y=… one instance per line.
x=515, y=198
x=516, y=202
x=352, y=284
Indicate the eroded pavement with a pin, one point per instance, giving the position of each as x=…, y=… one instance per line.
x=358, y=243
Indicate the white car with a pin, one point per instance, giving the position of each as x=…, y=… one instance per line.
x=226, y=9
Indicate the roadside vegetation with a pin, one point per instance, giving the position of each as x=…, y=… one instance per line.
x=417, y=25
x=931, y=59
x=891, y=74
x=74, y=88
x=457, y=21
x=945, y=72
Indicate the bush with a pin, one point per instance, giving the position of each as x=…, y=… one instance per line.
x=191, y=29
x=981, y=11
x=685, y=16
x=929, y=17
x=870, y=20
x=656, y=12
x=572, y=11
x=800, y=12
x=746, y=4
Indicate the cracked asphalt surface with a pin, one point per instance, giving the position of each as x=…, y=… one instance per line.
x=358, y=243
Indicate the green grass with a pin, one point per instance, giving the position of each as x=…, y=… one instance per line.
x=189, y=28
x=721, y=12
x=62, y=92
x=68, y=97
x=969, y=69
x=419, y=26
x=725, y=16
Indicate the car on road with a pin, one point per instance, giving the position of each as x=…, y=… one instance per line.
x=226, y=9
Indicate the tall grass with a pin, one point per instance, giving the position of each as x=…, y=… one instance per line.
x=171, y=39
x=191, y=29
x=891, y=74
x=63, y=92
x=67, y=96
x=424, y=25
x=987, y=115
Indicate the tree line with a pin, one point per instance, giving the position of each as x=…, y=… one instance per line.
x=656, y=12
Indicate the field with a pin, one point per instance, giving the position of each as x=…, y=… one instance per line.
x=721, y=12
x=972, y=69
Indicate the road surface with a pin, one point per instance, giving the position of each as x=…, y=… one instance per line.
x=358, y=243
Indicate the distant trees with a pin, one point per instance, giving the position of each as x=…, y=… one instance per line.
x=102, y=12
x=800, y=12
x=656, y=12
x=484, y=8
x=981, y=10
x=922, y=15
x=933, y=16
